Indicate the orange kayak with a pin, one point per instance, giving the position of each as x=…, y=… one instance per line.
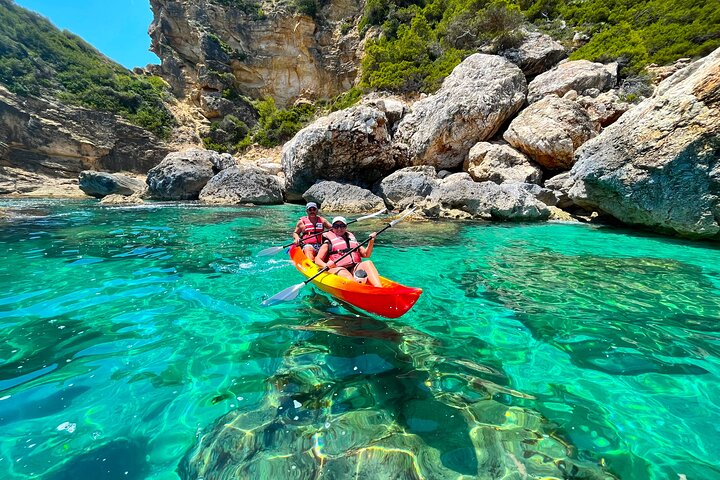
x=392, y=300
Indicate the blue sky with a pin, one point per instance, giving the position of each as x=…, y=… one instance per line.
x=117, y=28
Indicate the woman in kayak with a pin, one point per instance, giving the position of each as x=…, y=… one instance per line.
x=309, y=229
x=338, y=241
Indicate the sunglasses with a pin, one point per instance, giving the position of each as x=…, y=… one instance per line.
x=339, y=225
x=312, y=209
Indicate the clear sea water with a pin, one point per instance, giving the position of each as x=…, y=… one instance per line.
x=126, y=332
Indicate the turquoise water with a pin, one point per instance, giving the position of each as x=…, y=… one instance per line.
x=128, y=331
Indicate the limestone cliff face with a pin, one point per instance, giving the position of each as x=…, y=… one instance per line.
x=42, y=139
x=207, y=47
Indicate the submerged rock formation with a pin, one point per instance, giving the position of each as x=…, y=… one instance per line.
x=659, y=165
x=357, y=399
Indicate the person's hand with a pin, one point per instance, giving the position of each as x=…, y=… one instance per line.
x=373, y=235
x=330, y=264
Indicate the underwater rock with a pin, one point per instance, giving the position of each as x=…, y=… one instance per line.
x=357, y=399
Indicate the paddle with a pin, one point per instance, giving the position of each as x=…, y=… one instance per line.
x=291, y=293
x=273, y=250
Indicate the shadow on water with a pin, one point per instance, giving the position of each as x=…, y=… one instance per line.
x=355, y=394
x=117, y=460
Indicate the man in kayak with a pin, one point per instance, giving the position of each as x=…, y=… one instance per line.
x=309, y=229
x=338, y=241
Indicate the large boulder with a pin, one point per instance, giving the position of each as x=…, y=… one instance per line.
x=351, y=145
x=605, y=108
x=658, y=165
x=340, y=197
x=537, y=53
x=549, y=131
x=578, y=75
x=245, y=184
x=101, y=184
x=474, y=101
x=500, y=163
x=406, y=186
x=486, y=200
x=182, y=175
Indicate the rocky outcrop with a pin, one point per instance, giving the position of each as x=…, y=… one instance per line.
x=486, y=200
x=47, y=139
x=350, y=146
x=182, y=175
x=339, y=197
x=258, y=49
x=659, y=165
x=499, y=163
x=407, y=186
x=242, y=184
x=578, y=75
x=474, y=101
x=117, y=199
x=101, y=184
x=536, y=54
x=549, y=131
x=603, y=109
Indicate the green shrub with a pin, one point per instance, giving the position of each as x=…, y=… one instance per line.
x=38, y=59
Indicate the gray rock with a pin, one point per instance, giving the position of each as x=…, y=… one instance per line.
x=561, y=185
x=348, y=146
x=537, y=53
x=339, y=197
x=578, y=75
x=393, y=107
x=500, y=163
x=100, y=184
x=408, y=185
x=658, y=165
x=116, y=199
x=474, y=101
x=242, y=184
x=603, y=109
x=549, y=131
x=487, y=200
x=182, y=175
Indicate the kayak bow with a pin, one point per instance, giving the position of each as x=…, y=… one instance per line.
x=392, y=300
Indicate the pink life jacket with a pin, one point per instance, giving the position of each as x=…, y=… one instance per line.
x=315, y=231
x=339, y=246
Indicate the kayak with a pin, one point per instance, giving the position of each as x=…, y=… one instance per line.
x=392, y=300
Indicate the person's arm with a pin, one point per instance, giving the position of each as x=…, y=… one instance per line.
x=299, y=230
x=326, y=224
x=365, y=252
x=322, y=253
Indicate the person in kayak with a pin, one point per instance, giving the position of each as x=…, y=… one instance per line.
x=309, y=229
x=338, y=241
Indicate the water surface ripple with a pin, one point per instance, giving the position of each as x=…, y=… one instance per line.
x=128, y=332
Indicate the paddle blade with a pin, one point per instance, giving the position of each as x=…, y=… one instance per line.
x=407, y=212
x=359, y=219
x=286, y=295
x=269, y=251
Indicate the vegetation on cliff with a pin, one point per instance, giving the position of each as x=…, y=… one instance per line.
x=421, y=41
x=37, y=59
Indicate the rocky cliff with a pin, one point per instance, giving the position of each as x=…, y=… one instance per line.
x=211, y=47
x=42, y=139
